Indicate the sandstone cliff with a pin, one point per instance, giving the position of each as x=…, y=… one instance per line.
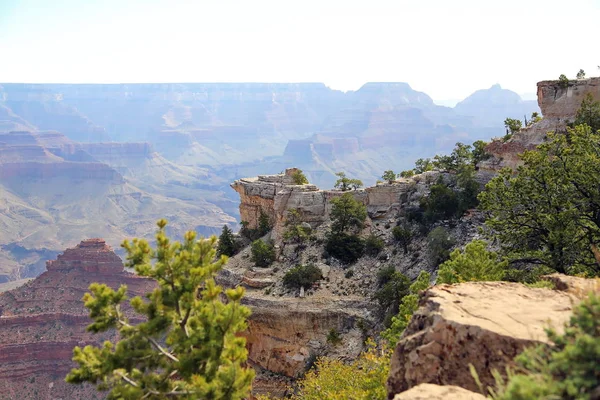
x=559, y=105
x=41, y=321
x=485, y=324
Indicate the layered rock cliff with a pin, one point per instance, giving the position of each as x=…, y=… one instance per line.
x=559, y=104
x=484, y=324
x=41, y=321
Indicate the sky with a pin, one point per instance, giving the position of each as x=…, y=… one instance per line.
x=445, y=48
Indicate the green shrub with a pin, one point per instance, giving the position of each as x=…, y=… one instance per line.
x=439, y=243
x=333, y=337
x=299, y=178
x=373, y=245
x=393, y=286
x=263, y=254
x=389, y=176
x=475, y=263
x=442, y=203
x=302, y=275
x=226, y=246
x=295, y=232
x=346, y=248
x=347, y=214
x=568, y=369
x=403, y=235
x=344, y=183
x=408, y=306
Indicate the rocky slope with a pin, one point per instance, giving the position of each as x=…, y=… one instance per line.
x=559, y=105
x=485, y=324
x=41, y=321
x=343, y=301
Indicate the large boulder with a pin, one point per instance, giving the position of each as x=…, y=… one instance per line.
x=485, y=324
x=427, y=391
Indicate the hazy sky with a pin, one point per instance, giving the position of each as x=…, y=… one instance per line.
x=446, y=48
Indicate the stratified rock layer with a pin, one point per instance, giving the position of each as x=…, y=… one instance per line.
x=559, y=105
x=41, y=321
x=481, y=323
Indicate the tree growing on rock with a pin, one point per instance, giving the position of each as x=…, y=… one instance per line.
x=549, y=212
x=408, y=306
x=263, y=254
x=226, y=246
x=344, y=183
x=348, y=216
x=589, y=113
x=299, y=178
x=295, y=231
x=581, y=74
x=512, y=126
x=389, y=176
x=187, y=345
x=475, y=263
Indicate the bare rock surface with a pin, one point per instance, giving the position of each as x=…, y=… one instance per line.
x=481, y=323
x=427, y=391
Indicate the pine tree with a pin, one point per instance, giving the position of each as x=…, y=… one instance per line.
x=226, y=245
x=187, y=346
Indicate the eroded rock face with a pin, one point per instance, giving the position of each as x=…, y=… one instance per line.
x=559, y=105
x=41, y=321
x=275, y=195
x=428, y=391
x=481, y=323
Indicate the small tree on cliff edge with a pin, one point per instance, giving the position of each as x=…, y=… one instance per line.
x=187, y=347
x=344, y=183
x=226, y=245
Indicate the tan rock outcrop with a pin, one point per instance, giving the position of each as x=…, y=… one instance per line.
x=275, y=195
x=559, y=105
x=427, y=391
x=481, y=323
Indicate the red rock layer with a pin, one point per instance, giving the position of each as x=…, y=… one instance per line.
x=43, y=320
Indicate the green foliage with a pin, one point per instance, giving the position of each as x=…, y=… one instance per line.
x=469, y=189
x=407, y=174
x=479, y=153
x=344, y=183
x=581, y=74
x=563, y=81
x=373, y=245
x=187, y=345
x=535, y=117
x=528, y=276
x=333, y=337
x=345, y=247
x=439, y=244
x=423, y=165
x=568, y=369
x=302, y=275
x=589, y=113
x=226, y=245
x=393, y=286
x=362, y=379
x=299, y=178
x=263, y=254
x=264, y=224
x=389, y=176
x=461, y=155
x=403, y=235
x=475, y=263
x=513, y=125
x=295, y=232
x=442, y=203
x=549, y=213
x=347, y=214
x=408, y=306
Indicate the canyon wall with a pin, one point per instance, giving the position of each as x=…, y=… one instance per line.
x=559, y=104
x=42, y=321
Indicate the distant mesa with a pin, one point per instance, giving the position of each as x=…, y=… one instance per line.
x=91, y=255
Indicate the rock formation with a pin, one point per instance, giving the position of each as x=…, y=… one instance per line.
x=485, y=324
x=427, y=391
x=559, y=105
x=275, y=195
x=41, y=321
